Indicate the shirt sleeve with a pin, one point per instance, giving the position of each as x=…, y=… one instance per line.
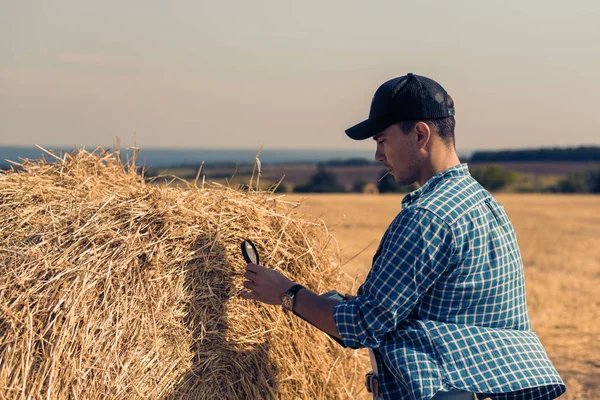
x=415, y=251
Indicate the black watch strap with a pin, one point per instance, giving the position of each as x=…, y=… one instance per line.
x=294, y=289
x=291, y=295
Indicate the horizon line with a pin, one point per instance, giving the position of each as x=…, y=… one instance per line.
x=262, y=149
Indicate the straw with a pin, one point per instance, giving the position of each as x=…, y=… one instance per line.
x=114, y=288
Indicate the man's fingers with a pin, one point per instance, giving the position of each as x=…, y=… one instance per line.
x=254, y=268
x=249, y=285
x=249, y=295
x=250, y=275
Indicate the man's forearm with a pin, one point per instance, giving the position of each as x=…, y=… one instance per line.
x=317, y=310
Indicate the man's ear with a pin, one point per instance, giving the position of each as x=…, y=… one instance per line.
x=423, y=133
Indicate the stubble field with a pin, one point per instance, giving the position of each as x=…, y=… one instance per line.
x=559, y=238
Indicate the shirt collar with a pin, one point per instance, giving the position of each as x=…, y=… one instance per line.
x=452, y=172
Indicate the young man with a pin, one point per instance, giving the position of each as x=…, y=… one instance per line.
x=443, y=307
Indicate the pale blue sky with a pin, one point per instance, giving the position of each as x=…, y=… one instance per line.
x=292, y=74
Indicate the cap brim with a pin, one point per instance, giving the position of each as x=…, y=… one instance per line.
x=366, y=129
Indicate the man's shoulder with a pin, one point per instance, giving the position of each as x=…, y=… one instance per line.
x=453, y=198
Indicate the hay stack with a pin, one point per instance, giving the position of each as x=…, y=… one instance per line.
x=114, y=288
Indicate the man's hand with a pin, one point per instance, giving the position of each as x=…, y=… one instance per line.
x=265, y=285
x=269, y=286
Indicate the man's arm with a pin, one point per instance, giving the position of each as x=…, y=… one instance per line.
x=317, y=310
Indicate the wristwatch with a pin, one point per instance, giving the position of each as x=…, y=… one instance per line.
x=289, y=298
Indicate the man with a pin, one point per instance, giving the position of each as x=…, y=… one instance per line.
x=443, y=307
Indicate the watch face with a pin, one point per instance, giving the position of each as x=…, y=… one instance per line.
x=287, y=302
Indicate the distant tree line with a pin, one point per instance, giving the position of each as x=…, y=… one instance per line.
x=581, y=154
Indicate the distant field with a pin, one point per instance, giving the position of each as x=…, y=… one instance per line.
x=559, y=237
x=533, y=173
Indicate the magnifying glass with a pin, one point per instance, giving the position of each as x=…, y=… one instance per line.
x=249, y=252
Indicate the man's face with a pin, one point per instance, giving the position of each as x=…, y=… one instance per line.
x=399, y=153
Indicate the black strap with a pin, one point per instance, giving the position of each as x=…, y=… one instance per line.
x=372, y=384
x=293, y=290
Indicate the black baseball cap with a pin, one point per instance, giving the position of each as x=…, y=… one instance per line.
x=408, y=97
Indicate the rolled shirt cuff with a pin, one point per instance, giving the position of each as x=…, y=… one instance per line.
x=346, y=316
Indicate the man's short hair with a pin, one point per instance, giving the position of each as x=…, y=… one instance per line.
x=444, y=126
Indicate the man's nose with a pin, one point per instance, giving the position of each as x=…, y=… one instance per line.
x=379, y=156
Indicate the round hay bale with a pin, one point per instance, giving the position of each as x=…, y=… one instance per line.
x=370, y=188
x=113, y=288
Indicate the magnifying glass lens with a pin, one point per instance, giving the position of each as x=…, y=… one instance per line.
x=249, y=252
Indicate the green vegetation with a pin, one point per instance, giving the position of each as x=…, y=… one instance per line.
x=585, y=182
x=593, y=180
x=322, y=181
x=493, y=177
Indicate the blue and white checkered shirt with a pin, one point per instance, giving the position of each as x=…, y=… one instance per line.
x=444, y=303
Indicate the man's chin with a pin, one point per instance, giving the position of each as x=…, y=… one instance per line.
x=404, y=182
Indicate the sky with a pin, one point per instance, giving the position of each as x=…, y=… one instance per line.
x=292, y=74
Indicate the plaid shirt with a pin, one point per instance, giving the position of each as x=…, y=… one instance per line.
x=444, y=304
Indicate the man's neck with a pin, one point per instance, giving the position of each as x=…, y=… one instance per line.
x=438, y=163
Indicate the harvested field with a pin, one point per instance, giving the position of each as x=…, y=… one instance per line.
x=112, y=288
x=559, y=237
